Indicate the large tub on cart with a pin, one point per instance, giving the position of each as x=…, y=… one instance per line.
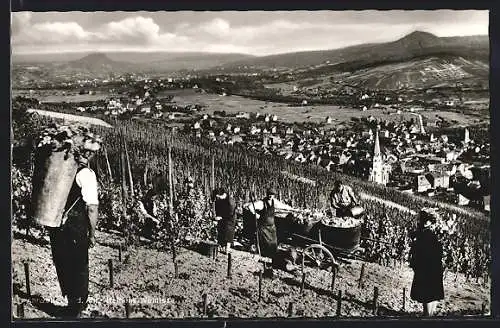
x=320, y=244
x=345, y=236
x=337, y=233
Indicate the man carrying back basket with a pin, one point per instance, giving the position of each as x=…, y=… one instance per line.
x=71, y=242
x=65, y=198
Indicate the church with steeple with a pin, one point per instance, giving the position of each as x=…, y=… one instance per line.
x=380, y=170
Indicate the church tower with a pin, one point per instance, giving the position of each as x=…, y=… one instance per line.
x=379, y=172
x=421, y=124
x=466, y=136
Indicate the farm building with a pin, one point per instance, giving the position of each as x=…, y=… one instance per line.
x=438, y=180
x=243, y=115
x=422, y=183
x=235, y=139
x=145, y=109
x=462, y=200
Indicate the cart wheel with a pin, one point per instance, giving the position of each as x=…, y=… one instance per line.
x=358, y=253
x=318, y=257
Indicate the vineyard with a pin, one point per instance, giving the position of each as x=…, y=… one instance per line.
x=136, y=157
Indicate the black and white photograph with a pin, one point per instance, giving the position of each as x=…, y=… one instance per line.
x=215, y=165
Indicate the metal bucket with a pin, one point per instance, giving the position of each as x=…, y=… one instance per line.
x=357, y=211
x=53, y=177
x=207, y=248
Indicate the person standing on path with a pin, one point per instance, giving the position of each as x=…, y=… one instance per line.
x=225, y=215
x=426, y=261
x=71, y=241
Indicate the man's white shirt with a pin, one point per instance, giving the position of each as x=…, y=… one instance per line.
x=87, y=181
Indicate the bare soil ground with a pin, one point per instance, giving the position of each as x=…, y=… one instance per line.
x=146, y=278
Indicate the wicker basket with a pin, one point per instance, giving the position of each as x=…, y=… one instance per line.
x=54, y=175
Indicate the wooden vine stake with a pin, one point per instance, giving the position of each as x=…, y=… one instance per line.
x=110, y=267
x=229, y=265
x=290, y=309
x=339, y=303
x=212, y=173
x=213, y=251
x=129, y=170
x=127, y=309
x=204, y=298
x=404, y=299
x=334, y=276
x=171, y=206
x=260, y=285
x=108, y=166
x=212, y=182
x=27, y=276
x=123, y=163
x=20, y=310
x=361, y=276
x=375, y=300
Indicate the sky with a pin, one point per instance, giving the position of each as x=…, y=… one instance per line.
x=251, y=32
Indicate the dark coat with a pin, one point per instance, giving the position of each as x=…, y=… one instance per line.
x=225, y=208
x=426, y=260
x=147, y=200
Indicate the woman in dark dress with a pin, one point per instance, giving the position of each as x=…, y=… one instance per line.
x=426, y=261
x=264, y=211
x=225, y=214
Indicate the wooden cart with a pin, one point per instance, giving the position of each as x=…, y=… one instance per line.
x=320, y=245
x=326, y=247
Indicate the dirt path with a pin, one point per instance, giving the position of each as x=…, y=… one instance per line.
x=363, y=195
x=146, y=279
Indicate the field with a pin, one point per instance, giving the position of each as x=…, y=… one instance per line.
x=291, y=114
x=146, y=278
x=53, y=96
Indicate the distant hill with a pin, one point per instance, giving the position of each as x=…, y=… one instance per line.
x=163, y=61
x=419, y=59
x=412, y=45
x=189, y=61
x=421, y=72
x=97, y=62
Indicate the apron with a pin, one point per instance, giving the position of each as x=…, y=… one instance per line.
x=69, y=245
x=266, y=229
